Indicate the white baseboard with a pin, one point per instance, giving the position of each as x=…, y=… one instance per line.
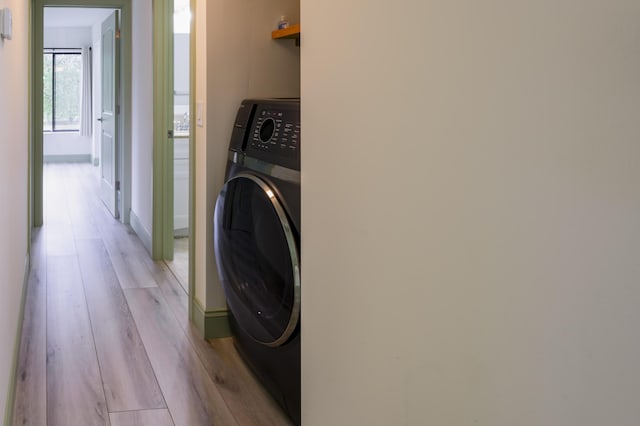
x=143, y=234
x=181, y=221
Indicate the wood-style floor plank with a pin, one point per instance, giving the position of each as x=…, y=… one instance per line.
x=79, y=210
x=59, y=241
x=202, y=383
x=124, y=247
x=141, y=418
x=180, y=263
x=191, y=396
x=128, y=378
x=245, y=396
x=238, y=385
x=30, y=404
x=172, y=291
x=126, y=257
x=126, y=252
x=74, y=386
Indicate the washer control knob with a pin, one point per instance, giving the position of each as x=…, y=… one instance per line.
x=267, y=128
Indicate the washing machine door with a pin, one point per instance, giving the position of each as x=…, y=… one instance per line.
x=257, y=257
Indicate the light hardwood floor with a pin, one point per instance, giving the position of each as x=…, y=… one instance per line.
x=180, y=263
x=106, y=339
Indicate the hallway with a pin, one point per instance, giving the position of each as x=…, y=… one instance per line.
x=106, y=338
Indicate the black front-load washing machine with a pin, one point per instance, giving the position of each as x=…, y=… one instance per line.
x=257, y=244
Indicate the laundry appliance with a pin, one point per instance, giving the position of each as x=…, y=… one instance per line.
x=257, y=243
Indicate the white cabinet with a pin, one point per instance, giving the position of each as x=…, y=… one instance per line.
x=181, y=186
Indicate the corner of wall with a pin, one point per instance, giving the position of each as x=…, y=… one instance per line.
x=143, y=234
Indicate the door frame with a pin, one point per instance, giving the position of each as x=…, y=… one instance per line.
x=192, y=161
x=162, y=204
x=37, y=140
x=163, y=233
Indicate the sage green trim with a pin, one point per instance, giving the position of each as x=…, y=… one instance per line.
x=192, y=160
x=216, y=324
x=212, y=323
x=11, y=393
x=36, y=139
x=30, y=219
x=162, y=233
x=76, y=158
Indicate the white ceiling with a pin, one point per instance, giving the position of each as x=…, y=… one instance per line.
x=74, y=16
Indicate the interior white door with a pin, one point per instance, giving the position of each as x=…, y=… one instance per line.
x=110, y=114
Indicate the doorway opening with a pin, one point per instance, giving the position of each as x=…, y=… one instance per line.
x=81, y=93
x=66, y=103
x=179, y=262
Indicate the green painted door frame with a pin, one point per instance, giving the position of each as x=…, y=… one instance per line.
x=36, y=140
x=162, y=216
x=163, y=89
x=192, y=161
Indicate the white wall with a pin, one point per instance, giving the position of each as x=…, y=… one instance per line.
x=181, y=82
x=66, y=37
x=66, y=144
x=181, y=73
x=471, y=213
x=241, y=61
x=181, y=186
x=142, y=113
x=13, y=172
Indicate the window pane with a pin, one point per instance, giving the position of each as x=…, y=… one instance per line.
x=47, y=109
x=68, y=74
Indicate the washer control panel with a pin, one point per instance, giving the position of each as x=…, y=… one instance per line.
x=275, y=130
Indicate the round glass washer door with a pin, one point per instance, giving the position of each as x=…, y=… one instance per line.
x=257, y=256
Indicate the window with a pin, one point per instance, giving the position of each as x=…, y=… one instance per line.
x=62, y=79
